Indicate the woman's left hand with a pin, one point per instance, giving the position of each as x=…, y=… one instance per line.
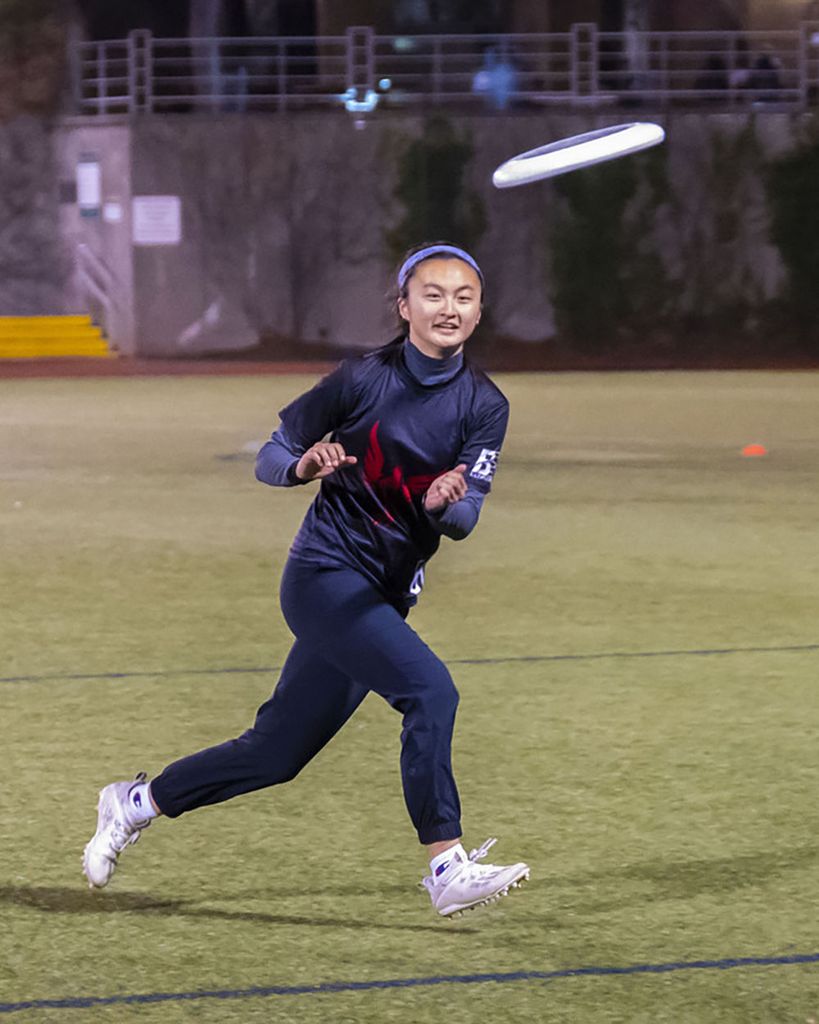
x=446, y=489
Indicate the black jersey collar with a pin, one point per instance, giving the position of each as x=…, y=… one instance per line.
x=429, y=371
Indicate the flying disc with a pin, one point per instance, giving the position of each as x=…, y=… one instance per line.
x=577, y=151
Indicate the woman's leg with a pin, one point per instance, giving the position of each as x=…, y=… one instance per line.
x=311, y=702
x=345, y=620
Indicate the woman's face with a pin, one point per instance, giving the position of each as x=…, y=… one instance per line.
x=442, y=307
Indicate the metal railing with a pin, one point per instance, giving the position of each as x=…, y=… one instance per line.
x=100, y=293
x=361, y=70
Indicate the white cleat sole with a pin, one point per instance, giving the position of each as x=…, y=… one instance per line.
x=86, y=871
x=91, y=885
x=461, y=910
x=85, y=868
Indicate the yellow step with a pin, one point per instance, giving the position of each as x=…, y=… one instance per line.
x=74, y=319
x=55, y=342
x=40, y=337
x=18, y=327
x=25, y=350
x=33, y=337
x=34, y=354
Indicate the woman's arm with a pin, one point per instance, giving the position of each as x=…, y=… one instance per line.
x=277, y=461
x=454, y=499
x=459, y=519
x=295, y=452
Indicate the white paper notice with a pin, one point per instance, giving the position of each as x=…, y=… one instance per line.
x=156, y=220
x=89, y=185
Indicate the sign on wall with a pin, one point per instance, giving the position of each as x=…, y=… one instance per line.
x=156, y=220
x=89, y=186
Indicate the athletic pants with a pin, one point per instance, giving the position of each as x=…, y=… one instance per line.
x=349, y=640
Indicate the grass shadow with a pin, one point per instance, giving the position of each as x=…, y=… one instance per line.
x=64, y=900
x=683, y=879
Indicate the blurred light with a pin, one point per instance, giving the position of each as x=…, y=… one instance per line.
x=356, y=106
x=384, y=84
x=403, y=44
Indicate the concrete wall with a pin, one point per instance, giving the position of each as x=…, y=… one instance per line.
x=284, y=222
x=34, y=263
x=282, y=231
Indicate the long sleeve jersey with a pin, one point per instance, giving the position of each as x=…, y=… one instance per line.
x=404, y=434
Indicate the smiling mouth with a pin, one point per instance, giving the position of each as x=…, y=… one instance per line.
x=446, y=327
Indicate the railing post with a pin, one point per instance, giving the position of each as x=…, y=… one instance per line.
x=131, y=44
x=206, y=77
x=360, y=60
x=140, y=71
x=808, y=62
x=664, y=81
x=281, y=77
x=585, y=59
x=75, y=68
x=594, y=60
x=574, y=61
x=102, y=84
x=146, y=67
x=436, y=69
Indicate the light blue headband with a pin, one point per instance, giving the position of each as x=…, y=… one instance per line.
x=432, y=250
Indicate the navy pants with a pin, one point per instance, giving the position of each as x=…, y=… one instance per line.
x=349, y=641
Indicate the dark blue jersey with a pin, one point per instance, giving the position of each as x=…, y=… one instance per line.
x=404, y=434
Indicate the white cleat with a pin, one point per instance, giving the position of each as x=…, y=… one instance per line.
x=116, y=829
x=465, y=884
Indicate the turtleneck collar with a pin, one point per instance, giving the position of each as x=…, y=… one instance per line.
x=427, y=370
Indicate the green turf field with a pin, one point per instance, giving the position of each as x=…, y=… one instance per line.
x=634, y=628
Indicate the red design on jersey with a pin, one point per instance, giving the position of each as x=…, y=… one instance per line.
x=392, y=488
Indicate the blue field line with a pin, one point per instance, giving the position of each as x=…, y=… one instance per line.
x=512, y=659
x=84, y=1002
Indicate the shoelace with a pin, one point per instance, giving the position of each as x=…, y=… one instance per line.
x=471, y=866
x=482, y=851
x=121, y=835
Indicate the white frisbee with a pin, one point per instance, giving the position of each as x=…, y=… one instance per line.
x=577, y=151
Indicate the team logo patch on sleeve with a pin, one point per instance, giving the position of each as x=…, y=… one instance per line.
x=485, y=465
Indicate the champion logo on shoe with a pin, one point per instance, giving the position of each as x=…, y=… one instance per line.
x=441, y=868
x=137, y=799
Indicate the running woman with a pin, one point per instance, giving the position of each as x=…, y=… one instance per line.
x=414, y=437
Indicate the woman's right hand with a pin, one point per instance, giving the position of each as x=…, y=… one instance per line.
x=322, y=459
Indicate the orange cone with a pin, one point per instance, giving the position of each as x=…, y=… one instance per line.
x=752, y=450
